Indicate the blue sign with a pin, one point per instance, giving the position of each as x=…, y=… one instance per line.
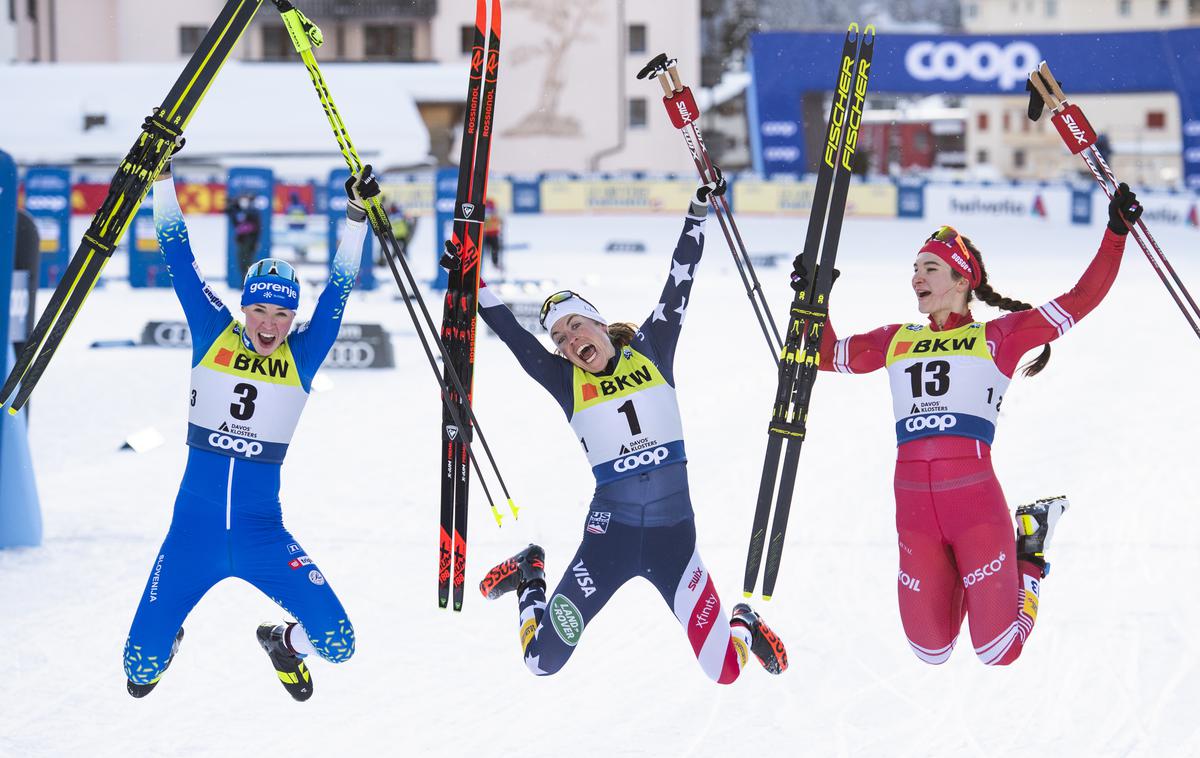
x=526, y=195
x=249, y=193
x=48, y=201
x=1081, y=205
x=20, y=517
x=336, y=208
x=788, y=65
x=443, y=219
x=147, y=268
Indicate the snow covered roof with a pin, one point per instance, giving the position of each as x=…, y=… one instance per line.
x=732, y=84
x=255, y=113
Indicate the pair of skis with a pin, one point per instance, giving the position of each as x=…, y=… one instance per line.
x=463, y=260
x=813, y=279
x=160, y=135
x=684, y=114
x=1080, y=139
x=454, y=378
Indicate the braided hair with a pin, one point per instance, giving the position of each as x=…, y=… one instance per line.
x=996, y=300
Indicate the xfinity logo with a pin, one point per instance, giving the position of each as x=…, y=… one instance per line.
x=236, y=445
x=644, y=458
x=282, y=289
x=982, y=61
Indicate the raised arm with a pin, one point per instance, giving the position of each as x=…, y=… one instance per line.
x=551, y=371
x=313, y=339
x=1015, y=334
x=662, y=327
x=206, y=315
x=858, y=353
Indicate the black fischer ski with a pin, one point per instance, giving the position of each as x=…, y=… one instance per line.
x=129, y=185
x=684, y=114
x=809, y=309
x=459, y=311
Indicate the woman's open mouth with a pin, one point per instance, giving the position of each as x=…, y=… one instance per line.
x=585, y=353
x=267, y=339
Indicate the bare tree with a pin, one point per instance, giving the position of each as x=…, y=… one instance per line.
x=567, y=22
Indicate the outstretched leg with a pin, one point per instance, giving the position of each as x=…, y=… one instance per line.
x=551, y=629
x=670, y=561
x=187, y=565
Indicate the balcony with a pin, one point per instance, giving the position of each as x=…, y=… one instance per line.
x=340, y=9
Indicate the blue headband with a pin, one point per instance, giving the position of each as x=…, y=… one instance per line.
x=273, y=290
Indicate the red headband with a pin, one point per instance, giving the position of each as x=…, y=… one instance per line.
x=957, y=257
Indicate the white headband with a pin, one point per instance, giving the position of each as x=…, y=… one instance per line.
x=573, y=305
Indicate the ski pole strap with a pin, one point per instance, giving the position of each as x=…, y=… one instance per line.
x=304, y=33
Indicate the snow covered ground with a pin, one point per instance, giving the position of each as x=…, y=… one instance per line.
x=1112, y=668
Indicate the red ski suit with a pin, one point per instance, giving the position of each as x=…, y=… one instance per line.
x=956, y=537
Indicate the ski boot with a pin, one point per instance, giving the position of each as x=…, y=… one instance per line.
x=1035, y=527
x=142, y=690
x=527, y=566
x=289, y=666
x=764, y=643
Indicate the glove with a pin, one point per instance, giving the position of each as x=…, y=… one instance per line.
x=716, y=187
x=360, y=188
x=180, y=141
x=800, y=274
x=1124, y=203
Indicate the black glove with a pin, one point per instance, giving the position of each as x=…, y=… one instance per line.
x=800, y=274
x=360, y=188
x=716, y=187
x=1124, y=203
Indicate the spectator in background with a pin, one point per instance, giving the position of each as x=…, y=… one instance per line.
x=493, y=241
x=247, y=227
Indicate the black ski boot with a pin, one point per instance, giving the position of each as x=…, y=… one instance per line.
x=289, y=666
x=764, y=643
x=527, y=566
x=1035, y=527
x=142, y=690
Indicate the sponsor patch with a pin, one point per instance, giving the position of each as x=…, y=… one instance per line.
x=300, y=560
x=293, y=547
x=316, y=578
x=566, y=619
x=598, y=522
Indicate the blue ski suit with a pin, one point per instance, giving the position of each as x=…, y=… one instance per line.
x=640, y=522
x=227, y=520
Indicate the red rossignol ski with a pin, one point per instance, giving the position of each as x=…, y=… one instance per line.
x=1080, y=139
x=458, y=315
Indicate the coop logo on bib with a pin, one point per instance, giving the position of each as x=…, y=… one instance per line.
x=941, y=422
x=644, y=458
x=235, y=445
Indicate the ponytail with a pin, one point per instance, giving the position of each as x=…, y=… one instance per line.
x=996, y=300
x=621, y=333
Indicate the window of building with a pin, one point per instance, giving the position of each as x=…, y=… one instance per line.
x=1007, y=121
x=1051, y=8
x=981, y=156
x=1194, y=7
x=276, y=44
x=389, y=42
x=1164, y=7
x=1156, y=120
x=1124, y=7
x=31, y=9
x=12, y=10
x=637, y=38
x=971, y=10
x=466, y=39
x=190, y=38
x=981, y=121
x=1018, y=159
x=637, y=113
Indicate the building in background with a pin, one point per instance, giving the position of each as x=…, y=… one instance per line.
x=1142, y=129
x=568, y=98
